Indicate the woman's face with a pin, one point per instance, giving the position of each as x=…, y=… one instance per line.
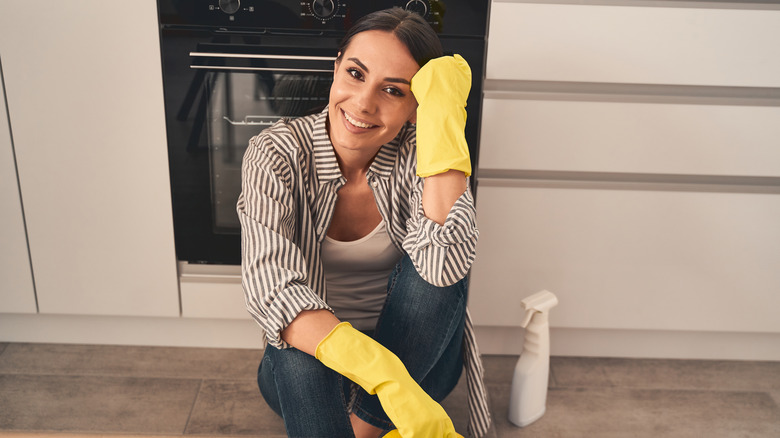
x=370, y=99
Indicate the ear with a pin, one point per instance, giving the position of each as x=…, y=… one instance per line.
x=337, y=62
x=413, y=119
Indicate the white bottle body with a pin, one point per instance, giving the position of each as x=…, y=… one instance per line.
x=528, y=398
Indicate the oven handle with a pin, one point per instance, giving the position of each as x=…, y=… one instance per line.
x=259, y=56
x=217, y=67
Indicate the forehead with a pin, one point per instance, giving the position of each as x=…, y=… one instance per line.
x=382, y=49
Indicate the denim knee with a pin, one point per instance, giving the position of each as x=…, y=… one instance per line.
x=414, y=297
x=417, y=313
x=423, y=325
x=309, y=396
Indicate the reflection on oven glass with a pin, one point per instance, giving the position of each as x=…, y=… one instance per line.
x=240, y=106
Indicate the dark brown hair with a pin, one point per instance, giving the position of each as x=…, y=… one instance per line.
x=409, y=27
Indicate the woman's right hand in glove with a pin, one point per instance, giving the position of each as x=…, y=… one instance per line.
x=377, y=370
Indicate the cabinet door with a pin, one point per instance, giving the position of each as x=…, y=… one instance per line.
x=630, y=137
x=619, y=258
x=17, y=294
x=634, y=45
x=85, y=100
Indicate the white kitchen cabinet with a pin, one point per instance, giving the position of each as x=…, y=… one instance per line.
x=630, y=137
x=627, y=259
x=17, y=293
x=85, y=101
x=634, y=45
x=629, y=164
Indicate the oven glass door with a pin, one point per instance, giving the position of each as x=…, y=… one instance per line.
x=218, y=96
x=240, y=105
x=222, y=88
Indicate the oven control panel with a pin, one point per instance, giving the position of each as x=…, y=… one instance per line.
x=447, y=17
x=229, y=6
x=419, y=6
x=324, y=10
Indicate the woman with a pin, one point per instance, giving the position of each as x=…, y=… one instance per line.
x=347, y=220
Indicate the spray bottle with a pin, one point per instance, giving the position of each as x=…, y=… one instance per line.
x=528, y=399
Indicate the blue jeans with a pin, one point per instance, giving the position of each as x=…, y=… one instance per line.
x=421, y=323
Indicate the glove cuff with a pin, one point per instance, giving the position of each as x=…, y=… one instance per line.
x=340, y=327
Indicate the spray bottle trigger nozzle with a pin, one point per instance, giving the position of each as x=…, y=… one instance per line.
x=541, y=302
x=529, y=314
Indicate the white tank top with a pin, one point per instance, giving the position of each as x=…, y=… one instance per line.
x=356, y=275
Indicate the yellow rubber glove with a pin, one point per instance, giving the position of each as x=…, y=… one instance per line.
x=441, y=88
x=377, y=370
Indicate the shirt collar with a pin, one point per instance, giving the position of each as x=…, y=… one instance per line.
x=324, y=156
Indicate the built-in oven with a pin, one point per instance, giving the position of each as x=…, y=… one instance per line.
x=233, y=67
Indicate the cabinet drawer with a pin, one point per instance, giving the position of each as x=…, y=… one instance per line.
x=640, y=45
x=630, y=137
x=629, y=259
x=211, y=291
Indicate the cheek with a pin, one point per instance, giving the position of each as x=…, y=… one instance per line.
x=340, y=92
x=338, y=85
x=409, y=112
x=334, y=90
x=413, y=113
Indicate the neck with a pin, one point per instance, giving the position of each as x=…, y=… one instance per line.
x=354, y=164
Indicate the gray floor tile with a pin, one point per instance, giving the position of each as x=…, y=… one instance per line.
x=95, y=404
x=617, y=412
x=499, y=368
x=237, y=408
x=660, y=373
x=153, y=390
x=775, y=396
x=107, y=360
x=233, y=408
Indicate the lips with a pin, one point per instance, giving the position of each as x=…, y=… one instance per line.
x=357, y=123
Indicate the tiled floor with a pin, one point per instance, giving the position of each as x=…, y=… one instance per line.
x=79, y=390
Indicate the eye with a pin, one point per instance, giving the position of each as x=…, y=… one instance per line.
x=355, y=73
x=394, y=91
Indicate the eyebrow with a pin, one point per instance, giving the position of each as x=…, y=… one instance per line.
x=389, y=79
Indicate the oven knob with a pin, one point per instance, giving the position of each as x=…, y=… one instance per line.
x=229, y=6
x=323, y=8
x=418, y=6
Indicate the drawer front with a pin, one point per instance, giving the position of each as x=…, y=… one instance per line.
x=629, y=259
x=211, y=291
x=636, y=45
x=630, y=137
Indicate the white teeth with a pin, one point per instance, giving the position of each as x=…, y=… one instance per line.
x=355, y=122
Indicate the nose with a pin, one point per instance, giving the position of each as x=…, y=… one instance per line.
x=365, y=100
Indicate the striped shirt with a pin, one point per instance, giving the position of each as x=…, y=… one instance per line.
x=290, y=179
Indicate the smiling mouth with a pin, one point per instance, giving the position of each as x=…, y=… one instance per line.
x=355, y=122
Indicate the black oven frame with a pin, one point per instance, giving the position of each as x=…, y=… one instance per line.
x=189, y=52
